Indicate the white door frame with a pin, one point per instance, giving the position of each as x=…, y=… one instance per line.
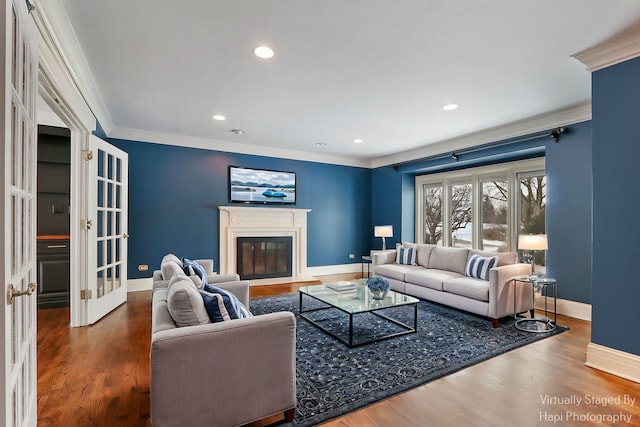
x=59, y=91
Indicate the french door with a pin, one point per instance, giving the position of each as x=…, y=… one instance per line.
x=18, y=213
x=106, y=228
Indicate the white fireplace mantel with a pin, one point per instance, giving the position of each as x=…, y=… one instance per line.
x=245, y=221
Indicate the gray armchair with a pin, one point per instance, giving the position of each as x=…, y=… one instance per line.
x=221, y=374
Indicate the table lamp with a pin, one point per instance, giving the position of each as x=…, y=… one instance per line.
x=532, y=242
x=383, y=231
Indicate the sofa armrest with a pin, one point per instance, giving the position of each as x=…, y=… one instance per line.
x=157, y=275
x=502, y=288
x=207, y=264
x=220, y=278
x=239, y=289
x=227, y=373
x=384, y=257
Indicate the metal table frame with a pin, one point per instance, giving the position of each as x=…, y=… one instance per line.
x=543, y=283
x=408, y=329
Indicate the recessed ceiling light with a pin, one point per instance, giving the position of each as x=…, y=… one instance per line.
x=320, y=144
x=263, y=52
x=219, y=117
x=358, y=141
x=450, y=107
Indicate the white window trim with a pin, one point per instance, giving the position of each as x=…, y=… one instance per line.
x=512, y=171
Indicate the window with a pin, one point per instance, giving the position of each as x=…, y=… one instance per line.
x=495, y=203
x=433, y=213
x=481, y=207
x=461, y=215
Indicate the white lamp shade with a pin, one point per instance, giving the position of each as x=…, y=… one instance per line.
x=533, y=242
x=383, y=231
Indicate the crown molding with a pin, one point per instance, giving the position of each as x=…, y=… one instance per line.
x=60, y=32
x=619, y=48
x=232, y=147
x=568, y=116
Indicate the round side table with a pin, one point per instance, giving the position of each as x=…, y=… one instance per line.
x=538, y=324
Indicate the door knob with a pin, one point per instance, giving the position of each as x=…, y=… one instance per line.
x=12, y=293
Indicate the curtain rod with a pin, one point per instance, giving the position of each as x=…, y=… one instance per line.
x=553, y=133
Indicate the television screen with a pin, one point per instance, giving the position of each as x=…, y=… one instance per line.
x=261, y=186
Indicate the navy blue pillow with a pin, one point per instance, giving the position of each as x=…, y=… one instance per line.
x=191, y=267
x=222, y=305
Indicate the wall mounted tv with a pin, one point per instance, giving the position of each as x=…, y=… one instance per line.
x=261, y=186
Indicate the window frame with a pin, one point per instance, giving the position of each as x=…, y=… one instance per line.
x=510, y=171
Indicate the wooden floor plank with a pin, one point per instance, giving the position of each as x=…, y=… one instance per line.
x=99, y=376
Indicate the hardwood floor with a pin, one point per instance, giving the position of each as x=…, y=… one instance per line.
x=99, y=376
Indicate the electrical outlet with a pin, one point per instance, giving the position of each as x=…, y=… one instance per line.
x=143, y=267
x=352, y=256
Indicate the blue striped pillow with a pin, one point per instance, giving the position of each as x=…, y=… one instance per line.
x=479, y=266
x=192, y=268
x=406, y=256
x=222, y=305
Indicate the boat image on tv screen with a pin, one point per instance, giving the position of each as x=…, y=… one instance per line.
x=261, y=186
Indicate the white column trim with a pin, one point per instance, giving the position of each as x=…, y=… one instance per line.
x=615, y=362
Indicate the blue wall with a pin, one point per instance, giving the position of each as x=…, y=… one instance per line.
x=616, y=175
x=568, y=216
x=568, y=168
x=174, y=194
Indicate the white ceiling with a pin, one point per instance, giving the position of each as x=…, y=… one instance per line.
x=379, y=70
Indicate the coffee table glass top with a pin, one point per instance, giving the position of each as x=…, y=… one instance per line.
x=358, y=300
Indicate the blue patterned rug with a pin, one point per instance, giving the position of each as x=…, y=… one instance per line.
x=333, y=379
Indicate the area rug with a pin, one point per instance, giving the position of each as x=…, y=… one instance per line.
x=332, y=379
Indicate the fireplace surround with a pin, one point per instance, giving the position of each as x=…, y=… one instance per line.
x=246, y=221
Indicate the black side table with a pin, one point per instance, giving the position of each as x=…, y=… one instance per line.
x=543, y=285
x=366, y=259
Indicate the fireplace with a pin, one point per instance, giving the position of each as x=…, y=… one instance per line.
x=263, y=257
x=237, y=222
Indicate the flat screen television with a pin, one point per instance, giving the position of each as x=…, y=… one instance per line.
x=261, y=186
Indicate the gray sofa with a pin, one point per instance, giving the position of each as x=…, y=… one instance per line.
x=439, y=276
x=217, y=374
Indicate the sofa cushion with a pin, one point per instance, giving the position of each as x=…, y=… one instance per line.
x=222, y=305
x=406, y=256
x=395, y=271
x=504, y=258
x=424, y=253
x=469, y=287
x=170, y=257
x=479, y=266
x=185, y=303
x=192, y=268
x=449, y=259
x=170, y=267
x=430, y=278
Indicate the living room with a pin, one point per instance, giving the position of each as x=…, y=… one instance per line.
x=176, y=189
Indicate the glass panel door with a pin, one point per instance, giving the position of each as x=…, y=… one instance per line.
x=108, y=239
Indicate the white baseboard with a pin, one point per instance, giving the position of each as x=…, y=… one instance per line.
x=137, y=285
x=578, y=310
x=615, y=362
x=326, y=270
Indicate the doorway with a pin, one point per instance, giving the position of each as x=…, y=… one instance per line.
x=53, y=207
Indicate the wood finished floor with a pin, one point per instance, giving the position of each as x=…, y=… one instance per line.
x=99, y=376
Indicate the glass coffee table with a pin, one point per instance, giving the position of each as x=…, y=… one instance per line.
x=358, y=301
